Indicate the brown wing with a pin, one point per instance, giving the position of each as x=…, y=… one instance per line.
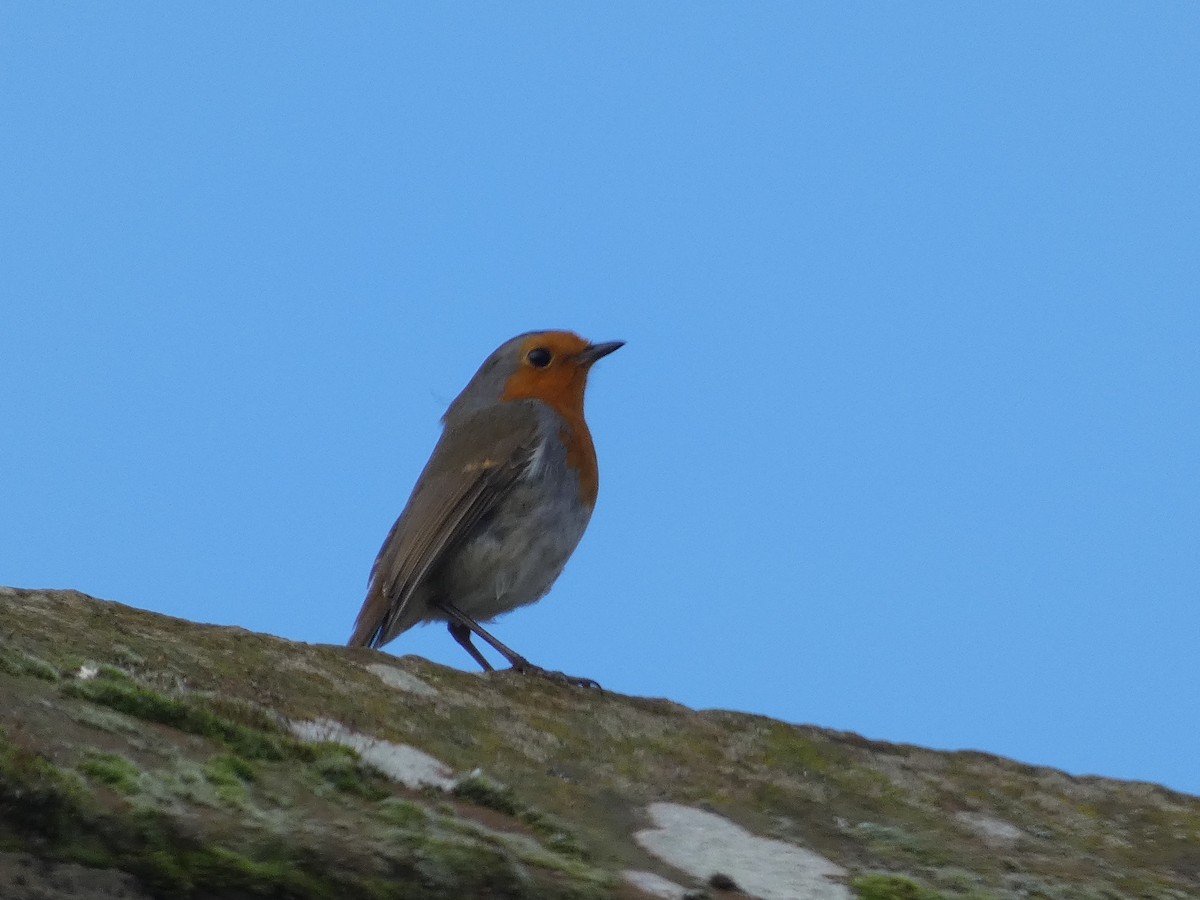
x=472, y=467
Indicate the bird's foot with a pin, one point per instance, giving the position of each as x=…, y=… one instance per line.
x=525, y=667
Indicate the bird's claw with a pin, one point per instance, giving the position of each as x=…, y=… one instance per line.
x=525, y=667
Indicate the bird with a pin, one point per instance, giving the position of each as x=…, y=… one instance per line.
x=501, y=505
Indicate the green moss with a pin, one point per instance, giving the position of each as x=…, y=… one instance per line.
x=601, y=882
x=473, y=831
x=341, y=767
x=13, y=662
x=221, y=869
x=229, y=776
x=904, y=847
x=44, y=807
x=39, y=669
x=794, y=783
x=229, y=769
x=788, y=749
x=555, y=834
x=111, y=769
x=867, y=782
x=487, y=793
x=106, y=720
x=402, y=813
x=193, y=784
x=68, y=665
x=127, y=657
x=960, y=884
x=185, y=715
x=36, y=798
x=88, y=851
x=892, y=887
x=172, y=866
x=478, y=871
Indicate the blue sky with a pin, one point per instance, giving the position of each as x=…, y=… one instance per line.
x=905, y=437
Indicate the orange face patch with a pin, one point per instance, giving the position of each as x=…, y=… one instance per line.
x=549, y=369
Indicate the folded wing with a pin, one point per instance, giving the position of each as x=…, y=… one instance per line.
x=462, y=482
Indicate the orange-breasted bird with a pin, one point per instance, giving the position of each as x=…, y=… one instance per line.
x=501, y=504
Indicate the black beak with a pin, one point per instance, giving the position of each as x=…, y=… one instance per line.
x=593, y=352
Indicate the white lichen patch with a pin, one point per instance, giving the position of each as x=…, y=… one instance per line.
x=703, y=843
x=992, y=830
x=654, y=885
x=400, y=762
x=401, y=680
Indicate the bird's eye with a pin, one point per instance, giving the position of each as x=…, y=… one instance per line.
x=539, y=357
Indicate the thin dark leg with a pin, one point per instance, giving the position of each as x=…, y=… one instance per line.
x=463, y=624
x=462, y=634
x=466, y=624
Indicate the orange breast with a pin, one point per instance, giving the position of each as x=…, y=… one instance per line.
x=561, y=387
x=581, y=456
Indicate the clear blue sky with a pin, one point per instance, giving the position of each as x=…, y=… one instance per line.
x=906, y=437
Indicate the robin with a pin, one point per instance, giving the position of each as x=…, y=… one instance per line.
x=501, y=504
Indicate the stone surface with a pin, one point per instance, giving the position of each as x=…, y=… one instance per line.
x=143, y=756
x=404, y=764
x=704, y=844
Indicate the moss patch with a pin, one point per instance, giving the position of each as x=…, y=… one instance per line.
x=111, y=769
x=892, y=887
x=341, y=767
x=556, y=834
x=487, y=793
x=403, y=814
x=789, y=749
x=36, y=798
x=42, y=806
x=229, y=775
x=13, y=662
x=229, y=769
x=143, y=703
x=256, y=814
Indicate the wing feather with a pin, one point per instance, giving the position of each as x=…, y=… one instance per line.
x=462, y=482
